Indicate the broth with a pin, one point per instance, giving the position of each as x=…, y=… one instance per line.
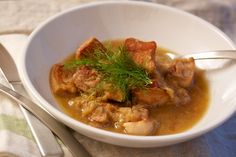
x=172, y=118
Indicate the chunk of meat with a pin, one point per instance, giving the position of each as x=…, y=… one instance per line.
x=116, y=95
x=143, y=53
x=150, y=97
x=143, y=127
x=163, y=62
x=61, y=80
x=88, y=47
x=94, y=109
x=84, y=104
x=100, y=115
x=181, y=96
x=182, y=71
x=86, y=78
x=128, y=114
x=158, y=80
x=103, y=114
x=139, y=113
x=112, y=93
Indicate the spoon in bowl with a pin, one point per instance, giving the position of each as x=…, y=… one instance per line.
x=217, y=54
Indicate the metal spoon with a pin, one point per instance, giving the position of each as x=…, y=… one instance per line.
x=217, y=54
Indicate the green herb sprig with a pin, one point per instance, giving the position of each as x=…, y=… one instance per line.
x=117, y=67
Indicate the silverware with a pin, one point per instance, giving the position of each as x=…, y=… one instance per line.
x=216, y=54
x=58, y=128
x=44, y=138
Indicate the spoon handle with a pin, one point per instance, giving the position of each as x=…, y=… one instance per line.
x=219, y=54
x=58, y=128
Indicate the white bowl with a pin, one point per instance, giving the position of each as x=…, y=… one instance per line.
x=171, y=28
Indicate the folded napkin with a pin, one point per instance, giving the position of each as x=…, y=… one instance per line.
x=16, y=138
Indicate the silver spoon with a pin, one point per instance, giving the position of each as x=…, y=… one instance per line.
x=217, y=54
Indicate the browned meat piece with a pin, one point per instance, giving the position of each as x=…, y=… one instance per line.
x=143, y=53
x=158, y=80
x=103, y=113
x=88, y=47
x=94, y=109
x=182, y=71
x=143, y=127
x=86, y=78
x=150, y=97
x=61, y=80
x=163, y=62
x=112, y=93
x=115, y=95
x=85, y=104
x=181, y=96
x=139, y=113
x=100, y=115
x=128, y=114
